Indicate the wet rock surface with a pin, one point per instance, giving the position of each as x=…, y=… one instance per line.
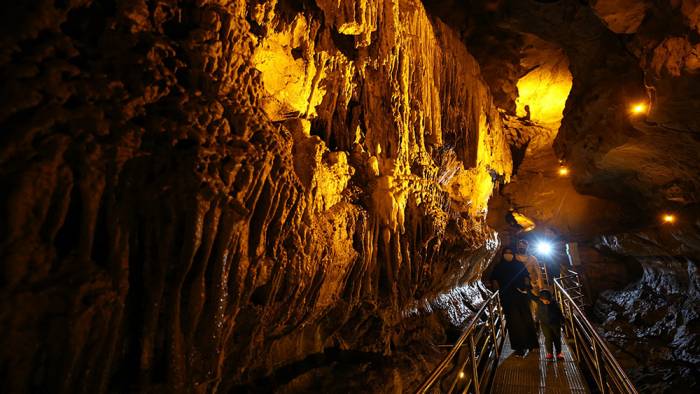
x=205, y=196
x=654, y=323
x=218, y=195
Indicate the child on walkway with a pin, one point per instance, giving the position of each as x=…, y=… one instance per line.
x=550, y=317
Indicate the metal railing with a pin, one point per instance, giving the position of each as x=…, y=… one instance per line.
x=589, y=348
x=572, y=284
x=470, y=365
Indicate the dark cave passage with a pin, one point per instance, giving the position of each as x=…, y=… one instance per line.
x=310, y=195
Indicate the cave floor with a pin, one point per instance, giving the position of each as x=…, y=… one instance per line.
x=534, y=374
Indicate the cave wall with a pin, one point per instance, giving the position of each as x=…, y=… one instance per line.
x=619, y=53
x=639, y=51
x=198, y=193
x=653, y=323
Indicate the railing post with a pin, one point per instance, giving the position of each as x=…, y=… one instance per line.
x=573, y=330
x=480, y=382
x=589, y=348
x=503, y=320
x=596, y=356
x=475, y=371
x=492, y=323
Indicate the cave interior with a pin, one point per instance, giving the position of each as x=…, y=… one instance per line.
x=307, y=195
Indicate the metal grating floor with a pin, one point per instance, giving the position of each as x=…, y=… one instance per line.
x=533, y=374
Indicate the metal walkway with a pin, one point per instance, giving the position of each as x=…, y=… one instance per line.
x=536, y=375
x=480, y=362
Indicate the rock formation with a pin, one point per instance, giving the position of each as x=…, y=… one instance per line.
x=653, y=322
x=228, y=195
x=202, y=193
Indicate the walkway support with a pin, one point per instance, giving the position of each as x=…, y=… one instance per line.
x=470, y=365
x=590, y=349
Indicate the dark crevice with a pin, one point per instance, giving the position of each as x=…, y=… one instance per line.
x=334, y=357
x=101, y=249
x=346, y=44
x=86, y=24
x=68, y=237
x=518, y=155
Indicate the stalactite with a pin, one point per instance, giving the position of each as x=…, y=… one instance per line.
x=169, y=227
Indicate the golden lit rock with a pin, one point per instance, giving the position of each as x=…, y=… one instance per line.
x=325, y=174
x=544, y=89
x=523, y=221
x=291, y=71
x=352, y=17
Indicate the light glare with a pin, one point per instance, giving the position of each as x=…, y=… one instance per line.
x=563, y=171
x=669, y=218
x=639, y=108
x=544, y=248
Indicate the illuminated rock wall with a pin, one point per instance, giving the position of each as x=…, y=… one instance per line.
x=197, y=194
x=544, y=88
x=614, y=154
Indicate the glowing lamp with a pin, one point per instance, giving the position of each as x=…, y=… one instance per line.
x=668, y=218
x=544, y=248
x=563, y=171
x=461, y=374
x=638, y=109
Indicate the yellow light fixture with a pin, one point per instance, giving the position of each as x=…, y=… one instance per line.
x=668, y=218
x=563, y=171
x=639, y=108
x=461, y=374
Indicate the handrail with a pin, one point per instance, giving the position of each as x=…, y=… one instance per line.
x=588, y=345
x=483, y=354
x=571, y=283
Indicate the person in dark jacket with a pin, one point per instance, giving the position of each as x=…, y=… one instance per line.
x=550, y=317
x=510, y=277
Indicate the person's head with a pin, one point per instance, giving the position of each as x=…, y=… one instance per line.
x=522, y=246
x=545, y=296
x=507, y=254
